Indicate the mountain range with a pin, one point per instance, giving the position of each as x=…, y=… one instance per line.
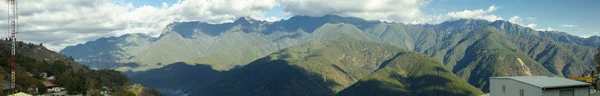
x=333, y=55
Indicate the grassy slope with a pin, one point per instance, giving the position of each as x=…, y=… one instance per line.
x=169, y=49
x=411, y=74
x=318, y=68
x=559, y=57
x=484, y=53
x=239, y=49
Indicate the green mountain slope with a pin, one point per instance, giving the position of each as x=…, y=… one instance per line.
x=484, y=53
x=317, y=68
x=564, y=58
x=109, y=52
x=411, y=74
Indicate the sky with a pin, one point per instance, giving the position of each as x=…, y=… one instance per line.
x=61, y=23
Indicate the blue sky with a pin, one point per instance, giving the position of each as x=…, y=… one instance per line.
x=549, y=13
x=157, y=3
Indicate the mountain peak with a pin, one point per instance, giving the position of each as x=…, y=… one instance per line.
x=463, y=24
x=245, y=20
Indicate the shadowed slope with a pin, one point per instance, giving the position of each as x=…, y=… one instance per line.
x=411, y=74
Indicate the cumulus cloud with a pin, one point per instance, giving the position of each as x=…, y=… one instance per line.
x=515, y=19
x=59, y=23
x=531, y=18
x=395, y=10
x=518, y=20
x=272, y=19
x=476, y=14
x=531, y=25
x=403, y=11
x=569, y=26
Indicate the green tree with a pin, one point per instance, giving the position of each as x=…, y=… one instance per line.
x=58, y=67
x=41, y=88
x=72, y=81
x=1, y=84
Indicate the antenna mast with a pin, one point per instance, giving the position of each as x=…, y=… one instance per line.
x=13, y=35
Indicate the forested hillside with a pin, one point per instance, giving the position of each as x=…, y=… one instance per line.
x=34, y=59
x=320, y=67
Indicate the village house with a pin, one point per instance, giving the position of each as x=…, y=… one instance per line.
x=51, y=88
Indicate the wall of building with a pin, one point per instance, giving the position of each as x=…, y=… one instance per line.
x=583, y=91
x=512, y=88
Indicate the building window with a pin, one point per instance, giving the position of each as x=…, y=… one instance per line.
x=521, y=92
x=503, y=89
x=568, y=92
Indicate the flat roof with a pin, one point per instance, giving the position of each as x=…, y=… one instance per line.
x=545, y=81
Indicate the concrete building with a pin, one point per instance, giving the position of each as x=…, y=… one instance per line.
x=537, y=86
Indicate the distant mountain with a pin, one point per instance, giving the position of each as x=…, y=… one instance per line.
x=320, y=68
x=109, y=52
x=473, y=49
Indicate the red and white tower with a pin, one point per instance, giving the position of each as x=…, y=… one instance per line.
x=12, y=12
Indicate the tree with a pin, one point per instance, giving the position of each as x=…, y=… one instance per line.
x=74, y=82
x=1, y=84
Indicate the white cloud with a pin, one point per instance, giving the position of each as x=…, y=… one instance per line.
x=272, y=19
x=453, y=15
x=59, y=23
x=531, y=18
x=531, y=25
x=515, y=19
x=547, y=29
x=569, y=26
x=396, y=10
x=476, y=14
x=404, y=11
x=518, y=20
x=550, y=29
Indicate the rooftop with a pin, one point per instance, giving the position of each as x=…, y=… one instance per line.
x=48, y=84
x=545, y=81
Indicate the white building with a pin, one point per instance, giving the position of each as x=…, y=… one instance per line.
x=537, y=86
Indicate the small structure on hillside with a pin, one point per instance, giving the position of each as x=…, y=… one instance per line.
x=51, y=88
x=20, y=94
x=50, y=78
x=29, y=74
x=44, y=75
x=537, y=86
